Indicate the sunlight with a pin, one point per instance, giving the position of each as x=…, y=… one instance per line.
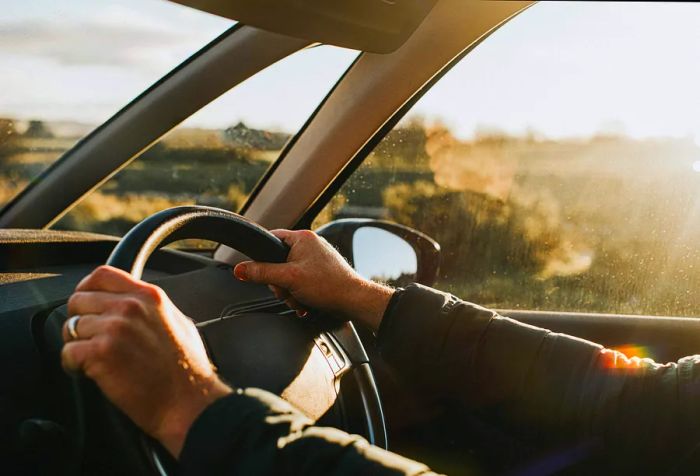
x=311, y=391
x=625, y=357
x=696, y=166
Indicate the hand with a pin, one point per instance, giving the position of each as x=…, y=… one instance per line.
x=144, y=354
x=316, y=275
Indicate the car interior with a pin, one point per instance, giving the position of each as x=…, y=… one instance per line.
x=54, y=423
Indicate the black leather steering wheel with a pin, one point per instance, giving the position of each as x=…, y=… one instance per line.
x=137, y=451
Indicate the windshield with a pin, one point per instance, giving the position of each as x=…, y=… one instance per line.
x=218, y=155
x=66, y=66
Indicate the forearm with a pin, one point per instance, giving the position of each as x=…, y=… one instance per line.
x=176, y=424
x=555, y=386
x=365, y=302
x=255, y=432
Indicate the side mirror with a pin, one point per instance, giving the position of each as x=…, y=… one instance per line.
x=385, y=251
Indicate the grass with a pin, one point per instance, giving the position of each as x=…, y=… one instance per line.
x=599, y=225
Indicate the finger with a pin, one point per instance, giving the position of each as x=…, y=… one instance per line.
x=75, y=355
x=292, y=237
x=107, y=278
x=84, y=327
x=91, y=325
x=264, y=273
x=283, y=234
x=91, y=302
x=280, y=293
x=296, y=306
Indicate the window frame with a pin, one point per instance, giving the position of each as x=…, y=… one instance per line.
x=262, y=181
x=322, y=200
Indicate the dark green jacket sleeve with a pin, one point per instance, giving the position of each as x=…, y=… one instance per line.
x=549, y=385
x=253, y=432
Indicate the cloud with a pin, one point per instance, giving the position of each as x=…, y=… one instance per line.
x=113, y=37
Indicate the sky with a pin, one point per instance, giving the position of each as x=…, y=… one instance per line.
x=558, y=69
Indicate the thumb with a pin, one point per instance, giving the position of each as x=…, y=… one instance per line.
x=263, y=273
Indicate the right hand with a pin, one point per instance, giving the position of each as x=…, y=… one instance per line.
x=143, y=352
x=316, y=275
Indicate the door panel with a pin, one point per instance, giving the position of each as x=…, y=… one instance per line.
x=664, y=339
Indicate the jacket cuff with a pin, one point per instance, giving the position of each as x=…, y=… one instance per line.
x=220, y=437
x=425, y=329
x=389, y=311
x=409, y=320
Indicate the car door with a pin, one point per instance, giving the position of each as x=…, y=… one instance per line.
x=558, y=166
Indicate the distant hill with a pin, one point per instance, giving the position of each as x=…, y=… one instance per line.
x=67, y=129
x=242, y=136
x=237, y=136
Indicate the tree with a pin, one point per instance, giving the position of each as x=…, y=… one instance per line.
x=38, y=129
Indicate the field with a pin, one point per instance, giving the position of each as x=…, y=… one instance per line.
x=606, y=224
x=190, y=166
x=602, y=224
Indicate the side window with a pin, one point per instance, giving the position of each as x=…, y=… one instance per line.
x=558, y=164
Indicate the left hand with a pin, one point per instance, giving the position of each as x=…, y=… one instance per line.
x=143, y=352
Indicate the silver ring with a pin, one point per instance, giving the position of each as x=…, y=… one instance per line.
x=72, y=326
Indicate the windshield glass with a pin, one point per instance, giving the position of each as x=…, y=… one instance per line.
x=557, y=164
x=218, y=155
x=66, y=66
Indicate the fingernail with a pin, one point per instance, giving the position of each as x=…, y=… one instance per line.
x=302, y=313
x=240, y=272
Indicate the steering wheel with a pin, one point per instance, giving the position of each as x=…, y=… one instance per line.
x=228, y=340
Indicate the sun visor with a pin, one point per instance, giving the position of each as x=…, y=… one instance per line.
x=377, y=26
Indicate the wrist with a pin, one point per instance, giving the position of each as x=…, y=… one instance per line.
x=366, y=305
x=178, y=421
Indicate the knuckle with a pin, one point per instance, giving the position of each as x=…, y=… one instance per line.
x=96, y=279
x=130, y=306
x=153, y=293
x=117, y=327
x=307, y=235
x=104, y=347
x=101, y=273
